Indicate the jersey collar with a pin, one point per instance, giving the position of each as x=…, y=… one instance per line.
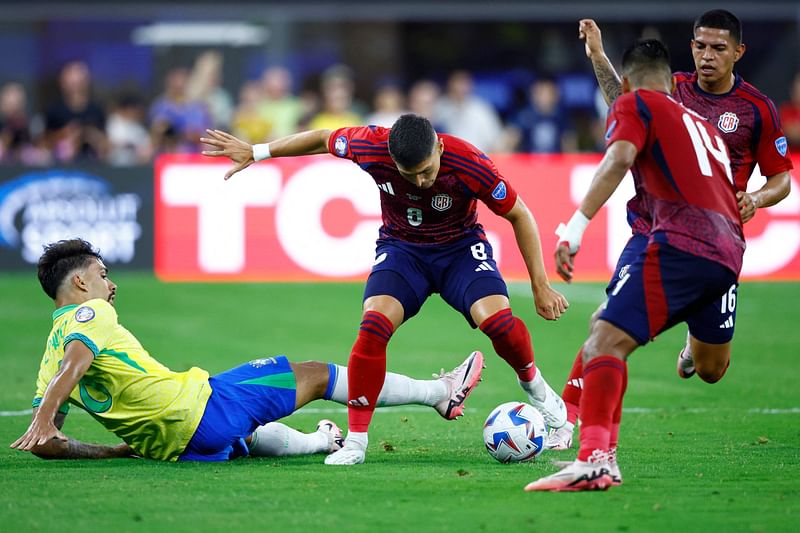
x=737, y=80
x=61, y=310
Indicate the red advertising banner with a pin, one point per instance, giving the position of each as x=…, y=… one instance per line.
x=316, y=218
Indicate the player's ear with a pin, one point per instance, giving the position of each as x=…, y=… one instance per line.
x=77, y=280
x=738, y=52
x=440, y=144
x=626, y=84
x=674, y=85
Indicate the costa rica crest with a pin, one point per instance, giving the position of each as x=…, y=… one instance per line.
x=728, y=122
x=441, y=202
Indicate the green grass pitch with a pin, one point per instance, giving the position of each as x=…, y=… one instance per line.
x=694, y=457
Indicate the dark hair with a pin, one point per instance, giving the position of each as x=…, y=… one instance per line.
x=411, y=140
x=721, y=20
x=60, y=259
x=646, y=56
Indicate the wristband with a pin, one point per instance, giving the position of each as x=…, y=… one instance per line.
x=572, y=233
x=261, y=152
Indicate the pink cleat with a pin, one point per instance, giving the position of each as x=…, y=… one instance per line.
x=593, y=474
x=460, y=382
x=335, y=439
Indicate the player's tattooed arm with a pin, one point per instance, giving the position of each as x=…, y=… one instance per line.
x=608, y=79
x=75, y=449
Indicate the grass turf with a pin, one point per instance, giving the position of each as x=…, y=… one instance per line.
x=693, y=456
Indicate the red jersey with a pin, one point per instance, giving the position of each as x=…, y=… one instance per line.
x=748, y=123
x=682, y=175
x=441, y=214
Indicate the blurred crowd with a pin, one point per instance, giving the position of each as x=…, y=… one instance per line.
x=129, y=130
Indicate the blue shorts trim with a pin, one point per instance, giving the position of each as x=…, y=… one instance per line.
x=462, y=272
x=664, y=286
x=242, y=399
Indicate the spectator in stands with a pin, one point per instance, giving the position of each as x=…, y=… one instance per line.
x=16, y=139
x=128, y=138
x=337, y=100
x=542, y=126
x=176, y=122
x=389, y=104
x=248, y=122
x=422, y=98
x=205, y=86
x=790, y=116
x=75, y=123
x=279, y=107
x=463, y=114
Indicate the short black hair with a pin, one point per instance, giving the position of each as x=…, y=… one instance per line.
x=60, y=259
x=646, y=56
x=720, y=19
x=411, y=140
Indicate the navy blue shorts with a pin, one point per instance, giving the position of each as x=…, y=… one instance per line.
x=242, y=399
x=664, y=286
x=462, y=272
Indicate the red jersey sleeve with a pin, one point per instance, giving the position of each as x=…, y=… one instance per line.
x=626, y=123
x=357, y=143
x=501, y=196
x=772, y=153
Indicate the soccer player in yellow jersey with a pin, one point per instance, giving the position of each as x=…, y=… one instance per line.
x=93, y=362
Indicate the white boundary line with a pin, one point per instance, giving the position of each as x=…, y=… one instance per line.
x=422, y=409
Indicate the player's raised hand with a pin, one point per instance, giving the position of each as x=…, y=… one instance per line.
x=39, y=433
x=589, y=32
x=564, y=261
x=747, y=206
x=550, y=304
x=225, y=144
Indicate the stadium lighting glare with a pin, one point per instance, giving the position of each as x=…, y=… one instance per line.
x=200, y=34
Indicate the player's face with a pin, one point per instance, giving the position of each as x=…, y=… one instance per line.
x=98, y=283
x=424, y=174
x=715, y=53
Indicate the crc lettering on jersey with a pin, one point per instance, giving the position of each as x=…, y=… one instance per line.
x=728, y=122
x=441, y=202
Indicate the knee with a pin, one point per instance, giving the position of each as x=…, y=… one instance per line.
x=711, y=373
x=312, y=376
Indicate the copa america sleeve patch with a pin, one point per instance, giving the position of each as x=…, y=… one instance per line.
x=84, y=314
x=340, y=146
x=781, y=145
x=499, y=192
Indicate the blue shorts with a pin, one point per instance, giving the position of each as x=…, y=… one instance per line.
x=242, y=399
x=462, y=272
x=664, y=286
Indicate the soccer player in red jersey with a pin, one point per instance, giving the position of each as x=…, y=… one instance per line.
x=693, y=255
x=430, y=242
x=746, y=119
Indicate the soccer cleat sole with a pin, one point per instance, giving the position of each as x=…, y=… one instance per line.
x=603, y=482
x=455, y=409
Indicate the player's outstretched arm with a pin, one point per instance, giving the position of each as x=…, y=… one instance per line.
x=550, y=304
x=774, y=190
x=618, y=159
x=244, y=154
x=73, y=449
x=77, y=359
x=608, y=79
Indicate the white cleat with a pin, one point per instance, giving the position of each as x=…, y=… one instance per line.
x=334, y=434
x=685, y=365
x=348, y=455
x=613, y=468
x=561, y=438
x=460, y=382
x=548, y=403
x=593, y=474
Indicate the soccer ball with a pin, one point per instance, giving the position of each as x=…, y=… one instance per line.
x=514, y=432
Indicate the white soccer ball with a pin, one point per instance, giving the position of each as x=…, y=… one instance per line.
x=514, y=432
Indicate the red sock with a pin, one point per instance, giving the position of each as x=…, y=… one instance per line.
x=366, y=369
x=602, y=388
x=573, y=388
x=512, y=342
x=617, y=418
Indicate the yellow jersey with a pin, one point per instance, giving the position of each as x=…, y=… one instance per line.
x=153, y=409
